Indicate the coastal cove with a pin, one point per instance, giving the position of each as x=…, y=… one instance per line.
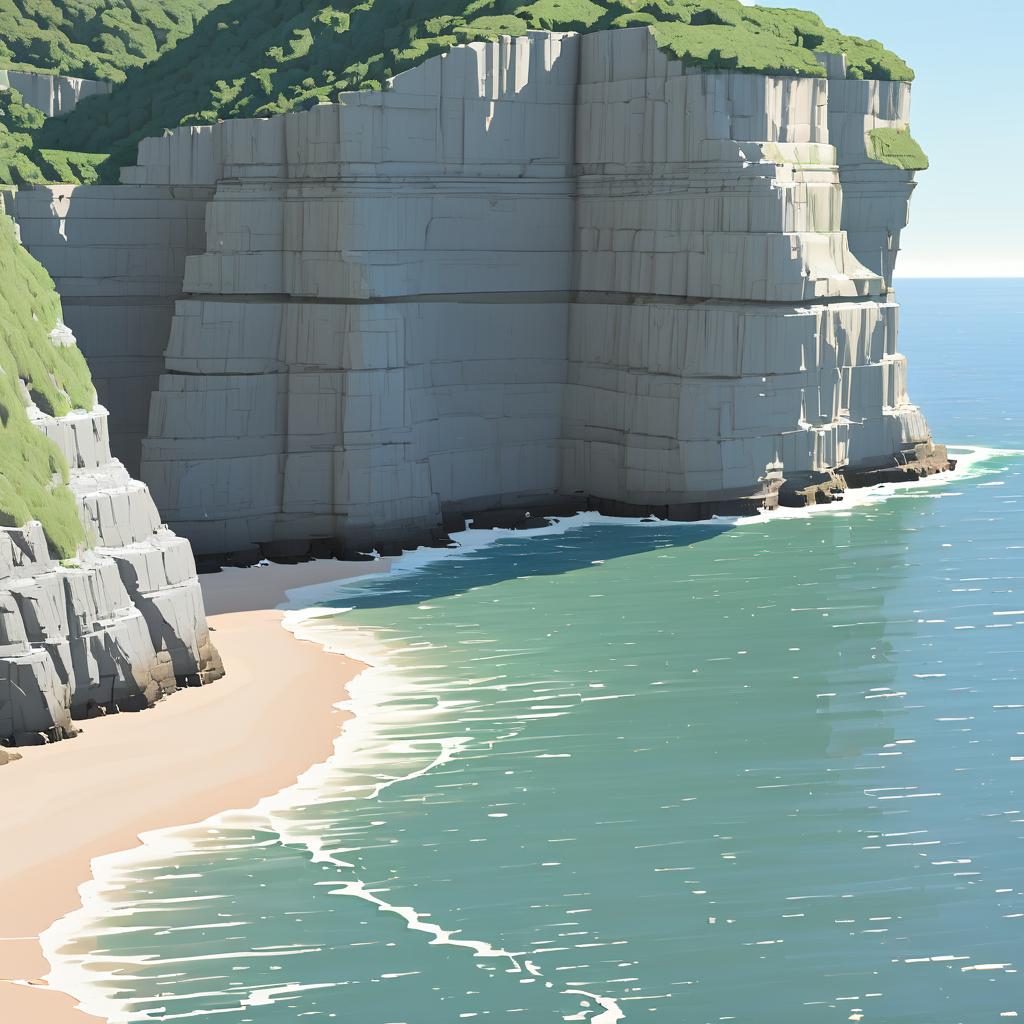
x=493, y=526
x=415, y=815
x=837, y=552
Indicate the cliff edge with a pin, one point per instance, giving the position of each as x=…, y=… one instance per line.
x=100, y=606
x=548, y=271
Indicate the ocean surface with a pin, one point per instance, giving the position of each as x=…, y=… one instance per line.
x=767, y=771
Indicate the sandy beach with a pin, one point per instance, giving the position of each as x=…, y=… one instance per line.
x=198, y=752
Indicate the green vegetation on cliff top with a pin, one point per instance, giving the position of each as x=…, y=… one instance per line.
x=255, y=58
x=33, y=473
x=93, y=38
x=896, y=146
x=23, y=163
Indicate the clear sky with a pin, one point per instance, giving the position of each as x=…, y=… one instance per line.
x=967, y=215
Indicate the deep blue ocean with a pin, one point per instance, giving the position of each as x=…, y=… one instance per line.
x=769, y=771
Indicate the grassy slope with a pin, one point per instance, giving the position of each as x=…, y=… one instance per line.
x=33, y=473
x=93, y=38
x=262, y=57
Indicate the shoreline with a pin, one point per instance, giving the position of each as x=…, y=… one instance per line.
x=241, y=610
x=192, y=755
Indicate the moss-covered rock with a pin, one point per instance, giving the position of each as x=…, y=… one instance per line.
x=896, y=146
x=54, y=376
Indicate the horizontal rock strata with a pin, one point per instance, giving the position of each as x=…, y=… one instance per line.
x=554, y=269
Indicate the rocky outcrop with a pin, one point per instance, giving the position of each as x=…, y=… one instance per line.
x=52, y=94
x=876, y=196
x=115, y=628
x=543, y=271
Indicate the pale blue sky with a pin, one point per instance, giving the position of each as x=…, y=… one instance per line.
x=967, y=215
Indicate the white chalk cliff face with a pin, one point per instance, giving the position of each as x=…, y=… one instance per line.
x=551, y=271
x=116, y=628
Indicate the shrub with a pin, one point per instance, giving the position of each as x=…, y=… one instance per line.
x=896, y=146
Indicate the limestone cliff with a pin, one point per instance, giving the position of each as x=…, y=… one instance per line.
x=52, y=94
x=549, y=270
x=114, y=620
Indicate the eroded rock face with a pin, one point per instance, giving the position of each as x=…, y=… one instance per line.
x=548, y=269
x=117, y=254
x=115, y=629
x=52, y=94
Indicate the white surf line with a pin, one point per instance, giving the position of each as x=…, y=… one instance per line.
x=301, y=601
x=350, y=749
x=75, y=979
x=365, y=694
x=414, y=919
x=265, y=996
x=472, y=540
x=611, y=1011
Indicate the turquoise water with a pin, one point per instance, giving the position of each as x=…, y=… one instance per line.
x=768, y=771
